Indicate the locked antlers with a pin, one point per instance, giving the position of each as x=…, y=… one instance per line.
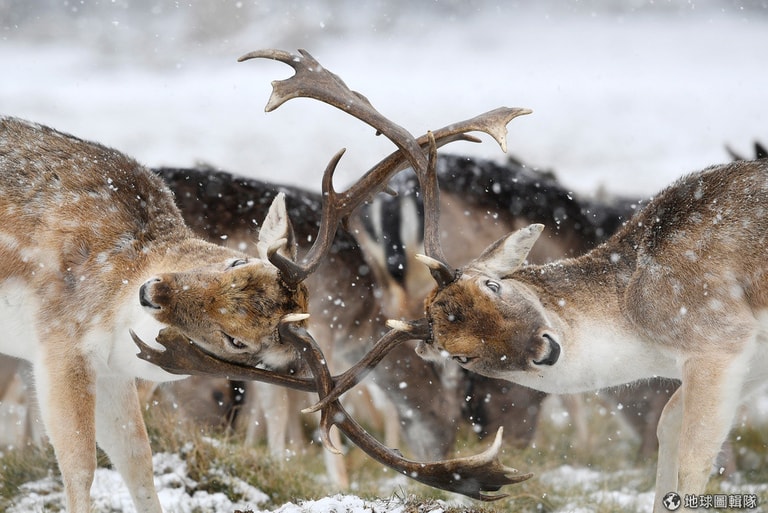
x=473, y=476
x=312, y=80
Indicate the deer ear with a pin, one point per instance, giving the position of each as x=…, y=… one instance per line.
x=508, y=253
x=277, y=229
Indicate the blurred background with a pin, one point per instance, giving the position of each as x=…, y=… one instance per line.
x=627, y=95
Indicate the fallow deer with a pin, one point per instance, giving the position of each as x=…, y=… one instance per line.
x=93, y=245
x=678, y=292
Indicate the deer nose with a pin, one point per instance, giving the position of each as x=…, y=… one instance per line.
x=145, y=294
x=554, y=351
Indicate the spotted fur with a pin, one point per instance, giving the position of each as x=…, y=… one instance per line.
x=678, y=292
x=92, y=246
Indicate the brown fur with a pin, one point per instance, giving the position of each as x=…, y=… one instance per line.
x=92, y=245
x=678, y=292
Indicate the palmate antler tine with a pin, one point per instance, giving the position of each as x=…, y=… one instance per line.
x=311, y=80
x=403, y=332
x=473, y=476
x=181, y=356
x=493, y=123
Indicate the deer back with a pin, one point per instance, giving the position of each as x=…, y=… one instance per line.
x=90, y=230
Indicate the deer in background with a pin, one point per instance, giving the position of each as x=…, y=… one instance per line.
x=678, y=292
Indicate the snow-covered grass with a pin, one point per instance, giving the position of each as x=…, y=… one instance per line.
x=198, y=472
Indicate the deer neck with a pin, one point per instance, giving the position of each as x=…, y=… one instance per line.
x=576, y=287
x=583, y=299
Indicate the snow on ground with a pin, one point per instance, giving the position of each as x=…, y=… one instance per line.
x=626, y=94
x=110, y=495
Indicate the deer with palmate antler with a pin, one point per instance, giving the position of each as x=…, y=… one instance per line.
x=681, y=291
x=92, y=246
x=96, y=254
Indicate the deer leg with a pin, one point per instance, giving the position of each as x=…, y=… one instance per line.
x=65, y=385
x=121, y=432
x=8, y=368
x=712, y=390
x=276, y=412
x=32, y=433
x=668, y=433
x=251, y=415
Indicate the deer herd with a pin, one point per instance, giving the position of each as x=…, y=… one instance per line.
x=112, y=272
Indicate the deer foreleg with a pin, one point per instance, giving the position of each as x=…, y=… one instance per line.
x=668, y=432
x=65, y=387
x=121, y=432
x=711, y=393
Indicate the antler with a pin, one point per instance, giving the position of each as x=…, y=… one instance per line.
x=182, y=356
x=400, y=332
x=472, y=476
x=312, y=80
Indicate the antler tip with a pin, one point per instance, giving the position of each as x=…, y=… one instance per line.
x=295, y=317
x=399, y=325
x=496, y=445
x=426, y=260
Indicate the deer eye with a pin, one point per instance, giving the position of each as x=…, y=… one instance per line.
x=494, y=286
x=233, y=342
x=239, y=261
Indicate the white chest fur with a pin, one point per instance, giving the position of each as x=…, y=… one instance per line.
x=109, y=348
x=596, y=356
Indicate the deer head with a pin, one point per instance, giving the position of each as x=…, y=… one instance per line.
x=515, y=332
x=231, y=307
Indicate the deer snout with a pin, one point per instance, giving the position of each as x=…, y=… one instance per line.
x=552, y=352
x=145, y=294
